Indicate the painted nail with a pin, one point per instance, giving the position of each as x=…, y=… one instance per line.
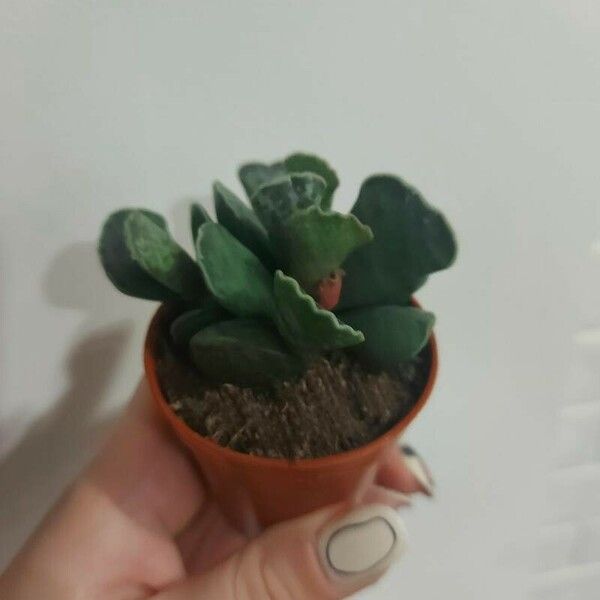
x=378, y=494
x=363, y=543
x=418, y=468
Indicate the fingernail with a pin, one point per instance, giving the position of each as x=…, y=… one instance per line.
x=364, y=542
x=402, y=499
x=397, y=499
x=381, y=495
x=418, y=468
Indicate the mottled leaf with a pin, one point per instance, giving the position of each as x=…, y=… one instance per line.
x=309, y=163
x=241, y=221
x=255, y=175
x=306, y=326
x=243, y=352
x=276, y=201
x=393, y=334
x=121, y=267
x=412, y=240
x=310, y=189
x=235, y=276
x=152, y=247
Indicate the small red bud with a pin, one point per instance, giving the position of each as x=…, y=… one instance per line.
x=328, y=290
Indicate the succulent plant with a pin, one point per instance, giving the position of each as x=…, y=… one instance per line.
x=287, y=279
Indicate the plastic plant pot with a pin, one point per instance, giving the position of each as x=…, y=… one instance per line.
x=256, y=492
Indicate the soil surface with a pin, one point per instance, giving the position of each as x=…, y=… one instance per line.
x=336, y=406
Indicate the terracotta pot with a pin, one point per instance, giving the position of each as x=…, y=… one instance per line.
x=256, y=491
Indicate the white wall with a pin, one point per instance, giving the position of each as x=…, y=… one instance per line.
x=491, y=108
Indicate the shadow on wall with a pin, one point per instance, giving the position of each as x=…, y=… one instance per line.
x=60, y=442
x=55, y=446
x=75, y=280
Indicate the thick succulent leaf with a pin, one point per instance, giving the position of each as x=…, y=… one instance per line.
x=306, y=326
x=310, y=189
x=412, y=239
x=276, y=201
x=243, y=352
x=313, y=243
x=254, y=175
x=153, y=248
x=393, y=334
x=235, y=276
x=198, y=216
x=273, y=202
x=309, y=163
x=121, y=267
x=189, y=323
x=241, y=221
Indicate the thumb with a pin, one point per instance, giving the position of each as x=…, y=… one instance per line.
x=328, y=554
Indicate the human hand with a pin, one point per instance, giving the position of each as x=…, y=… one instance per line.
x=138, y=524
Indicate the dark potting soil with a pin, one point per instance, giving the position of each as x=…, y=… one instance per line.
x=336, y=406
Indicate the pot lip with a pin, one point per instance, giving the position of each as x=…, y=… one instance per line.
x=333, y=460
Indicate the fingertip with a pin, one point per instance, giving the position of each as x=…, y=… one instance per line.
x=405, y=470
x=360, y=546
x=419, y=470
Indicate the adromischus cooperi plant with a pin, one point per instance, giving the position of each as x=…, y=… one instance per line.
x=286, y=279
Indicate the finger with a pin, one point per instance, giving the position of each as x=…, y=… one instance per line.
x=328, y=554
x=404, y=470
x=145, y=472
x=208, y=540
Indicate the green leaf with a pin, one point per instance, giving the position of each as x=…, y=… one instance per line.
x=255, y=175
x=412, y=240
x=189, y=323
x=155, y=251
x=309, y=187
x=393, y=334
x=309, y=163
x=234, y=275
x=198, y=216
x=243, y=352
x=276, y=201
x=273, y=202
x=306, y=326
x=314, y=243
x=121, y=268
x=241, y=221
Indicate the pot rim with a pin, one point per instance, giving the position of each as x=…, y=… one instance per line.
x=304, y=464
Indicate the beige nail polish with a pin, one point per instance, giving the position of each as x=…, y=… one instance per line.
x=362, y=543
x=417, y=467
